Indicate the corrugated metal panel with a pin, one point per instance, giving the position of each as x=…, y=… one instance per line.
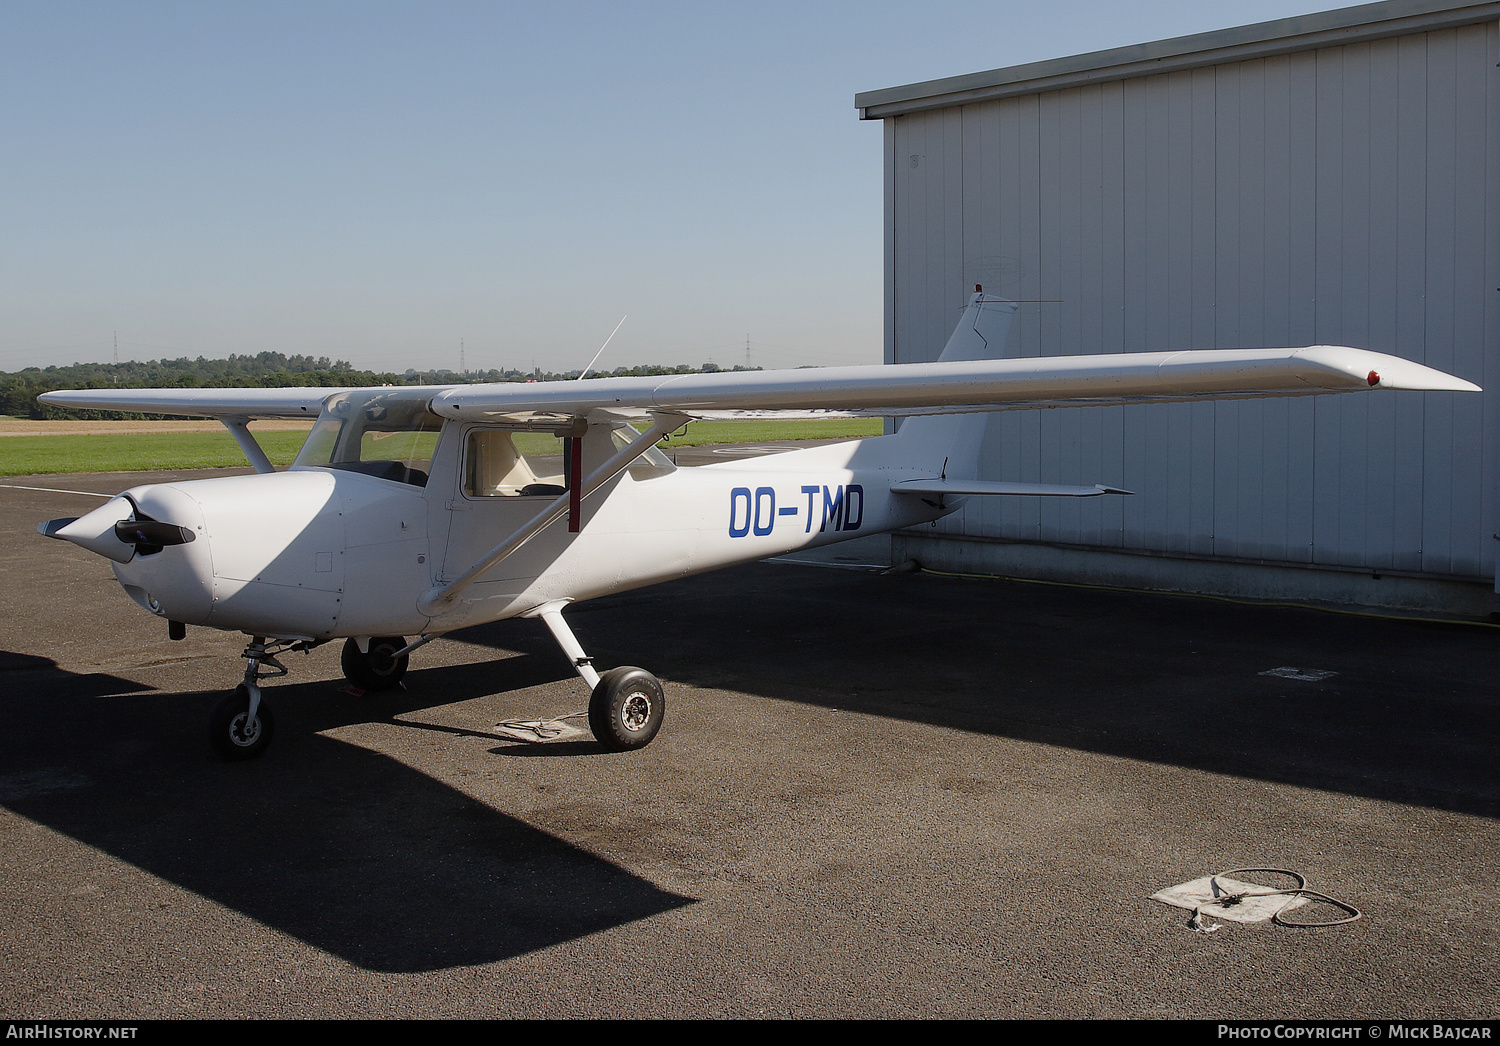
x=1332, y=195
x=1378, y=21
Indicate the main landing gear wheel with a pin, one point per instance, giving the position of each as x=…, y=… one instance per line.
x=233, y=733
x=376, y=670
x=626, y=709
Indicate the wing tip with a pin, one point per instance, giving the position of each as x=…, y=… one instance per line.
x=1379, y=370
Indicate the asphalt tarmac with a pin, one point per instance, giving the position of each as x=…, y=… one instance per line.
x=876, y=795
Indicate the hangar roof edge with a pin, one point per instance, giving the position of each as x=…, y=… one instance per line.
x=1262, y=39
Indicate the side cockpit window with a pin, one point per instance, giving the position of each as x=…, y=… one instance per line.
x=520, y=463
x=499, y=463
x=388, y=434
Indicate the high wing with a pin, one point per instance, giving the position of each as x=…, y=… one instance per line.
x=890, y=390
x=968, y=386
x=203, y=403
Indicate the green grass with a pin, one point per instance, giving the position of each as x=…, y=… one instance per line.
x=37, y=455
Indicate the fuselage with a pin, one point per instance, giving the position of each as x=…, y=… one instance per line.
x=325, y=552
x=419, y=510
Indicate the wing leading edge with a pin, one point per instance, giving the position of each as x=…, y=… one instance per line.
x=977, y=385
x=898, y=389
x=199, y=403
x=301, y=402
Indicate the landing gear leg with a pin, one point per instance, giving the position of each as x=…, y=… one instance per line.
x=627, y=706
x=241, y=726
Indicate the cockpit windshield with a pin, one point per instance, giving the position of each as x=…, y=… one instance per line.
x=386, y=433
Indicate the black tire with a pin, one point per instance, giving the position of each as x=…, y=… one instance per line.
x=376, y=670
x=228, y=732
x=626, y=709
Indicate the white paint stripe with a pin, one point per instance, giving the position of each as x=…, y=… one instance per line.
x=55, y=490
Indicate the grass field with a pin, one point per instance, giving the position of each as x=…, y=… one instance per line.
x=41, y=454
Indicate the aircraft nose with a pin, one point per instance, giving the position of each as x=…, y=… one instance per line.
x=96, y=530
x=132, y=530
x=117, y=530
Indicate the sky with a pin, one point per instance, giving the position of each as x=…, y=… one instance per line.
x=405, y=185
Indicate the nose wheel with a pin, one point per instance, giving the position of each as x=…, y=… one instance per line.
x=241, y=727
x=239, y=731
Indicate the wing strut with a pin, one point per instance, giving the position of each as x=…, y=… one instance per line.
x=239, y=428
x=441, y=597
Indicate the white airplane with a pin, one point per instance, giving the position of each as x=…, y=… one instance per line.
x=415, y=511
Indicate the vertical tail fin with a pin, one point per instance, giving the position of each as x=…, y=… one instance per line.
x=949, y=443
x=981, y=330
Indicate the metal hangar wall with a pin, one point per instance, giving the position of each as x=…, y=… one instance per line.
x=1313, y=180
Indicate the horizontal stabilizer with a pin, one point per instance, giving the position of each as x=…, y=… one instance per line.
x=984, y=487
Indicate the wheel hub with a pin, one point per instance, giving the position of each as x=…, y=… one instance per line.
x=635, y=711
x=242, y=733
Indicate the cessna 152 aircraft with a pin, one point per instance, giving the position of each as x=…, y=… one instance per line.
x=414, y=511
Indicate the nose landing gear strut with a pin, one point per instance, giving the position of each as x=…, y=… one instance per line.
x=241, y=726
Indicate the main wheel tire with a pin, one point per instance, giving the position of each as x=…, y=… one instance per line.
x=626, y=709
x=232, y=735
x=376, y=670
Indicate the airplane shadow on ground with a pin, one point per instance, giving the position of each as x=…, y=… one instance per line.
x=344, y=848
x=360, y=855
x=1410, y=712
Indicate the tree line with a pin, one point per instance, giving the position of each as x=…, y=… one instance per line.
x=19, y=389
